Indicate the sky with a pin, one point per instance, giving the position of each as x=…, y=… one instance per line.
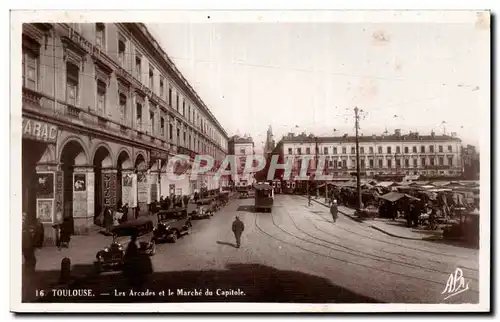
x=308, y=77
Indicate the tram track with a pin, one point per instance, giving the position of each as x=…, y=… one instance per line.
x=340, y=259
x=396, y=244
x=376, y=257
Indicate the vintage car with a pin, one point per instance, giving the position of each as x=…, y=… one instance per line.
x=172, y=224
x=223, y=198
x=111, y=257
x=205, y=208
x=264, y=197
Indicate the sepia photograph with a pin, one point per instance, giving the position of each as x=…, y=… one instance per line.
x=292, y=161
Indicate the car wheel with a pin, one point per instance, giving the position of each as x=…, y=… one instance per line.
x=188, y=230
x=175, y=236
x=190, y=224
x=97, y=268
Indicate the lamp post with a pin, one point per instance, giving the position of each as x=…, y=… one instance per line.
x=358, y=174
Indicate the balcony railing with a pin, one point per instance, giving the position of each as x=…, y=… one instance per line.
x=31, y=97
x=73, y=111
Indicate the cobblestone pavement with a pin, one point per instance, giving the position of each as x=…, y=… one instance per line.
x=294, y=254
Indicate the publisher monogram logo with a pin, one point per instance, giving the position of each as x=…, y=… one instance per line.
x=455, y=284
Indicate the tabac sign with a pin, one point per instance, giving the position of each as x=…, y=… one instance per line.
x=39, y=131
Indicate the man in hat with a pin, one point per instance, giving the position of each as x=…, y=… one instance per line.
x=334, y=210
x=238, y=228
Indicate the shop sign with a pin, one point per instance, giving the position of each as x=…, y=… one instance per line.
x=109, y=189
x=39, y=131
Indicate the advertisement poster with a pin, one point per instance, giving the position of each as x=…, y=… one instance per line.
x=44, y=210
x=109, y=189
x=45, y=185
x=80, y=182
x=154, y=192
x=90, y=194
x=142, y=188
x=127, y=191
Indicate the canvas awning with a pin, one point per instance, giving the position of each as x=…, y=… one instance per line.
x=395, y=196
x=385, y=184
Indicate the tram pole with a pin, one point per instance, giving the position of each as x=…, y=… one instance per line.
x=358, y=172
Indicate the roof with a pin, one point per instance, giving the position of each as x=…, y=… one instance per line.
x=385, y=184
x=239, y=139
x=263, y=186
x=372, y=138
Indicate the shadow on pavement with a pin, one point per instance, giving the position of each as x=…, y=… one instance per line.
x=226, y=243
x=246, y=208
x=237, y=283
x=457, y=243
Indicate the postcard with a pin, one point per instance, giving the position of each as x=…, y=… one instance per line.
x=250, y=161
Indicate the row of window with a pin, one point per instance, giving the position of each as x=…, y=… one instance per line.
x=389, y=164
x=372, y=173
x=30, y=78
x=188, y=111
x=370, y=150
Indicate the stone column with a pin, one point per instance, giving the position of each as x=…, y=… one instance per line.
x=83, y=198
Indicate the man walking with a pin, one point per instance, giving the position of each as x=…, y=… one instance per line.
x=238, y=228
x=334, y=211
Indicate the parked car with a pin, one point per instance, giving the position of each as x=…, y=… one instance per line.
x=205, y=208
x=111, y=257
x=172, y=224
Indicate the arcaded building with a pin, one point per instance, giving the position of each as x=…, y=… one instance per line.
x=104, y=109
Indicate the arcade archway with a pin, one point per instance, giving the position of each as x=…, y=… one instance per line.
x=72, y=155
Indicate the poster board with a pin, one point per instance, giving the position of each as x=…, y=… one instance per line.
x=129, y=189
x=142, y=188
x=44, y=210
x=80, y=207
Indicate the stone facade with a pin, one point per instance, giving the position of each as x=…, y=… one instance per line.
x=104, y=110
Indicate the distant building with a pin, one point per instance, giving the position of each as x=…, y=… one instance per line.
x=395, y=154
x=270, y=144
x=470, y=162
x=242, y=147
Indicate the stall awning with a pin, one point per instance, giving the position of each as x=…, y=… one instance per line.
x=385, y=184
x=395, y=196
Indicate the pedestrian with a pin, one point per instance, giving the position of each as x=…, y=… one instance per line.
x=334, y=211
x=28, y=244
x=309, y=199
x=238, y=228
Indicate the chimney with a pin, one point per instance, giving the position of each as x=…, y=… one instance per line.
x=374, y=137
x=433, y=134
x=453, y=134
x=397, y=132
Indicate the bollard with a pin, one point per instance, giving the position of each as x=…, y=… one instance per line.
x=65, y=270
